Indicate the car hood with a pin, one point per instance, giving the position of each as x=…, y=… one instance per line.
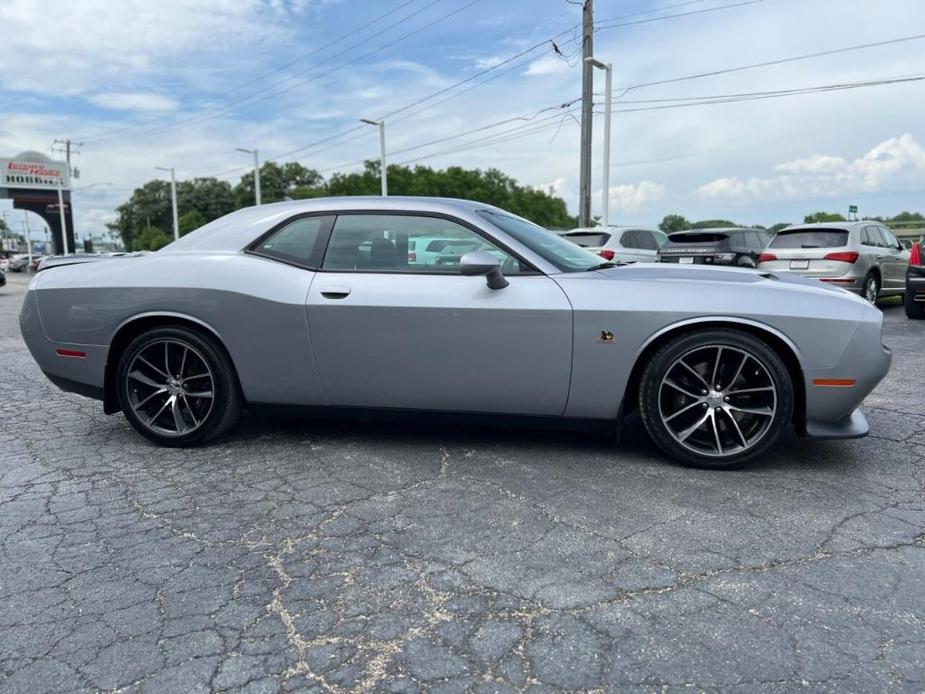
x=731, y=276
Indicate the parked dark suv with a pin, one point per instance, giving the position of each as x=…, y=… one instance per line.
x=915, y=282
x=738, y=247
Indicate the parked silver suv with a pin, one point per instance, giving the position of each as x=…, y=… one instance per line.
x=862, y=257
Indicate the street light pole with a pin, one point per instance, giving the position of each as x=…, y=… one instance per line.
x=62, y=217
x=256, y=172
x=28, y=241
x=173, y=199
x=608, y=71
x=383, y=170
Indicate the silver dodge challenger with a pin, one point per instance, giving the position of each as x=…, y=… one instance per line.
x=437, y=305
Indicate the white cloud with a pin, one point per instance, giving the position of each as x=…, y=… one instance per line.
x=896, y=164
x=548, y=65
x=633, y=197
x=134, y=101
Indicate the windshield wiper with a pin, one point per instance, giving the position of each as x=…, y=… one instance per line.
x=602, y=266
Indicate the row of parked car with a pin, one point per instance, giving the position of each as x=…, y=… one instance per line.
x=863, y=257
x=19, y=263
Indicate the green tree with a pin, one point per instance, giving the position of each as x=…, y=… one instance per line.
x=777, y=227
x=148, y=206
x=150, y=239
x=278, y=182
x=210, y=197
x=491, y=187
x=674, y=222
x=190, y=221
x=819, y=217
x=908, y=217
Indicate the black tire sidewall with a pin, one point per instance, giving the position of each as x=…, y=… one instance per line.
x=670, y=352
x=914, y=310
x=225, y=406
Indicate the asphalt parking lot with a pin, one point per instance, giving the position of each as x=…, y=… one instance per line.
x=350, y=557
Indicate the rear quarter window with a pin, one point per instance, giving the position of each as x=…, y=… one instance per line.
x=811, y=238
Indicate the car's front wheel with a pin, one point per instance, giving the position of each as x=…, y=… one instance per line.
x=177, y=387
x=715, y=398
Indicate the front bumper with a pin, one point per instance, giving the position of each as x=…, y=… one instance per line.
x=854, y=426
x=832, y=406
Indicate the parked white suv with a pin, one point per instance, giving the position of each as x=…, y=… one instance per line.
x=620, y=244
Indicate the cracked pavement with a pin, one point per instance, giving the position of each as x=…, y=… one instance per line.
x=338, y=557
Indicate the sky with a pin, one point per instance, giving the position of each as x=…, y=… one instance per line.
x=184, y=83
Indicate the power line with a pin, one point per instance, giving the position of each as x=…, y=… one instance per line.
x=274, y=90
x=601, y=27
x=274, y=71
x=770, y=63
x=688, y=102
x=655, y=11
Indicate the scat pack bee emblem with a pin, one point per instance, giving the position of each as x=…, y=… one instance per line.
x=605, y=338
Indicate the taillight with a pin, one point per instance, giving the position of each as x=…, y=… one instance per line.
x=766, y=257
x=412, y=257
x=916, y=257
x=606, y=254
x=843, y=256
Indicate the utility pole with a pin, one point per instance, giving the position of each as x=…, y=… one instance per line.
x=587, y=113
x=256, y=172
x=28, y=242
x=383, y=169
x=62, y=218
x=69, y=147
x=173, y=199
x=605, y=191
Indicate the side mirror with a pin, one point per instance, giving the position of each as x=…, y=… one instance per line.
x=482, y=263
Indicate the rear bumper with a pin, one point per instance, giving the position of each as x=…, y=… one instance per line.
x=915, y=285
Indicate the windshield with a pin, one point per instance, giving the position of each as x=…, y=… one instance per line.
x=563, y=254
x=811, y=238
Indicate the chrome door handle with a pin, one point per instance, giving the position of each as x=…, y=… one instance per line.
x=335, y=292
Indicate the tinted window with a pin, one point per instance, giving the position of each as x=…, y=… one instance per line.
x=871, y=237
x=562, y=254
x=588, y=239
x=646, y=240
x=630, y=239
x=695, y=237
x=661, y=238
x=810, y=238
x=294, y=242
x=383, y=243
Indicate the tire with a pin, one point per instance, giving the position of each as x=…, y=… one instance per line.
x=871, y=288
x=177, y=387
x=674, y=397
x=914, y=309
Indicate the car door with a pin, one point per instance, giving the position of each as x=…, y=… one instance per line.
x=388, y=331
x=648, y=246
x=894, y=261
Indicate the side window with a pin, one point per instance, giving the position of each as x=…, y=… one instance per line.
x=294, y=242
x=406, y=244
x=873, y=237
x=888, y=238
x=646, y=240
x=661, y=238
x=630, y=239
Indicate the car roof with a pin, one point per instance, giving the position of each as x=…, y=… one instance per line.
x=715, y=230
x=236, y=230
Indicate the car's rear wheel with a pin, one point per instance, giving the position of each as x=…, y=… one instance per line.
x=871, y=288
x=914, y=309
x=177, y=387
x=715, y=398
